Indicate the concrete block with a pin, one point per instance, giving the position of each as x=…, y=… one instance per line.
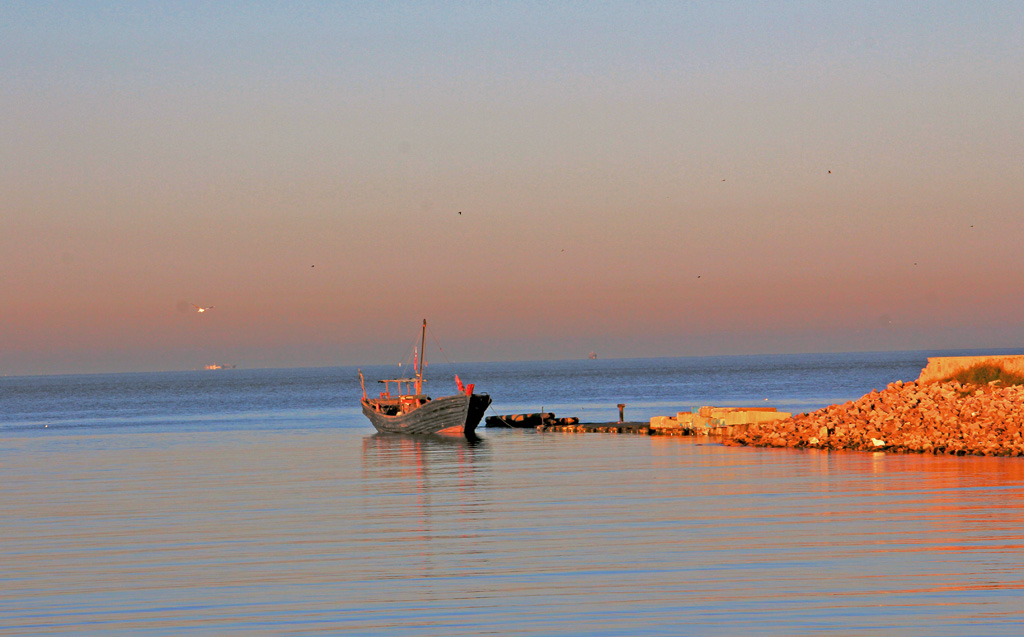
x=685, y=417
x=664, y=422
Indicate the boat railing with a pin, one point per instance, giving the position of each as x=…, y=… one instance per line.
x=403, y=386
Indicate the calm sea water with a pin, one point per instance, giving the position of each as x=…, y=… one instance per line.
x=261, y=501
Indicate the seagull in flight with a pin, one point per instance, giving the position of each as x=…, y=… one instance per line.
x=201, y=309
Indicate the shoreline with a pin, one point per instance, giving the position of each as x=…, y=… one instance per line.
x=936, y=418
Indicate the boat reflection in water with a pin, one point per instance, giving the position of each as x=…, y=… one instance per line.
x=425, y=497
x=427, y=462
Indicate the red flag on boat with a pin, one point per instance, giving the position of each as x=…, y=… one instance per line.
x=458, y=383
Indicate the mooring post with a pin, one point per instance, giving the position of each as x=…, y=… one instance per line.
x=621, y=407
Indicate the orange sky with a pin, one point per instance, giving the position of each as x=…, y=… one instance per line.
x=637, y=180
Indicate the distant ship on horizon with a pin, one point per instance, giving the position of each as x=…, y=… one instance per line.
x=592, y=356
x=220, y=366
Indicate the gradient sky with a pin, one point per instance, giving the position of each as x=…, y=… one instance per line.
x=636, y=179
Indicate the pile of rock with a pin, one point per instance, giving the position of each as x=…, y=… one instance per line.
x=941, y=418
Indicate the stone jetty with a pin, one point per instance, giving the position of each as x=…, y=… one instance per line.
x=547, y=421
x=707, y=421
x=939, y=417
x=947, y=410
x=715, y=421
x=529, y=421
x=639, y=428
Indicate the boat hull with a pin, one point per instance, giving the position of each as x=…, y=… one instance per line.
x=453, y=414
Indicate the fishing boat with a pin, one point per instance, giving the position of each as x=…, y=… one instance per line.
x=403, y=407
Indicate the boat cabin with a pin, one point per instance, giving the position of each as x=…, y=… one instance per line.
x=404, y=399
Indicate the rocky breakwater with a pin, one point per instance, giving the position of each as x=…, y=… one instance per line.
x=940, y=418
x=529, y=421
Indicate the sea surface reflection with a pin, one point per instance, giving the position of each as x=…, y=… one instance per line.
x=305, y=521
x=621, y=535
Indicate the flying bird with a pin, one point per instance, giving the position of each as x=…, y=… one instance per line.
x=201, y=309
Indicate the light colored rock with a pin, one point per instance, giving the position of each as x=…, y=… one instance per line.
x=664, y=422
x=941, y=367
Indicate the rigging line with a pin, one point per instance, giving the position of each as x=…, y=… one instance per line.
x=407, y=358
x=448, y=360
x=499, y=416
x=438, y=343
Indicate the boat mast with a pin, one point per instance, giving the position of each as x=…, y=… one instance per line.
x=423, y=352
